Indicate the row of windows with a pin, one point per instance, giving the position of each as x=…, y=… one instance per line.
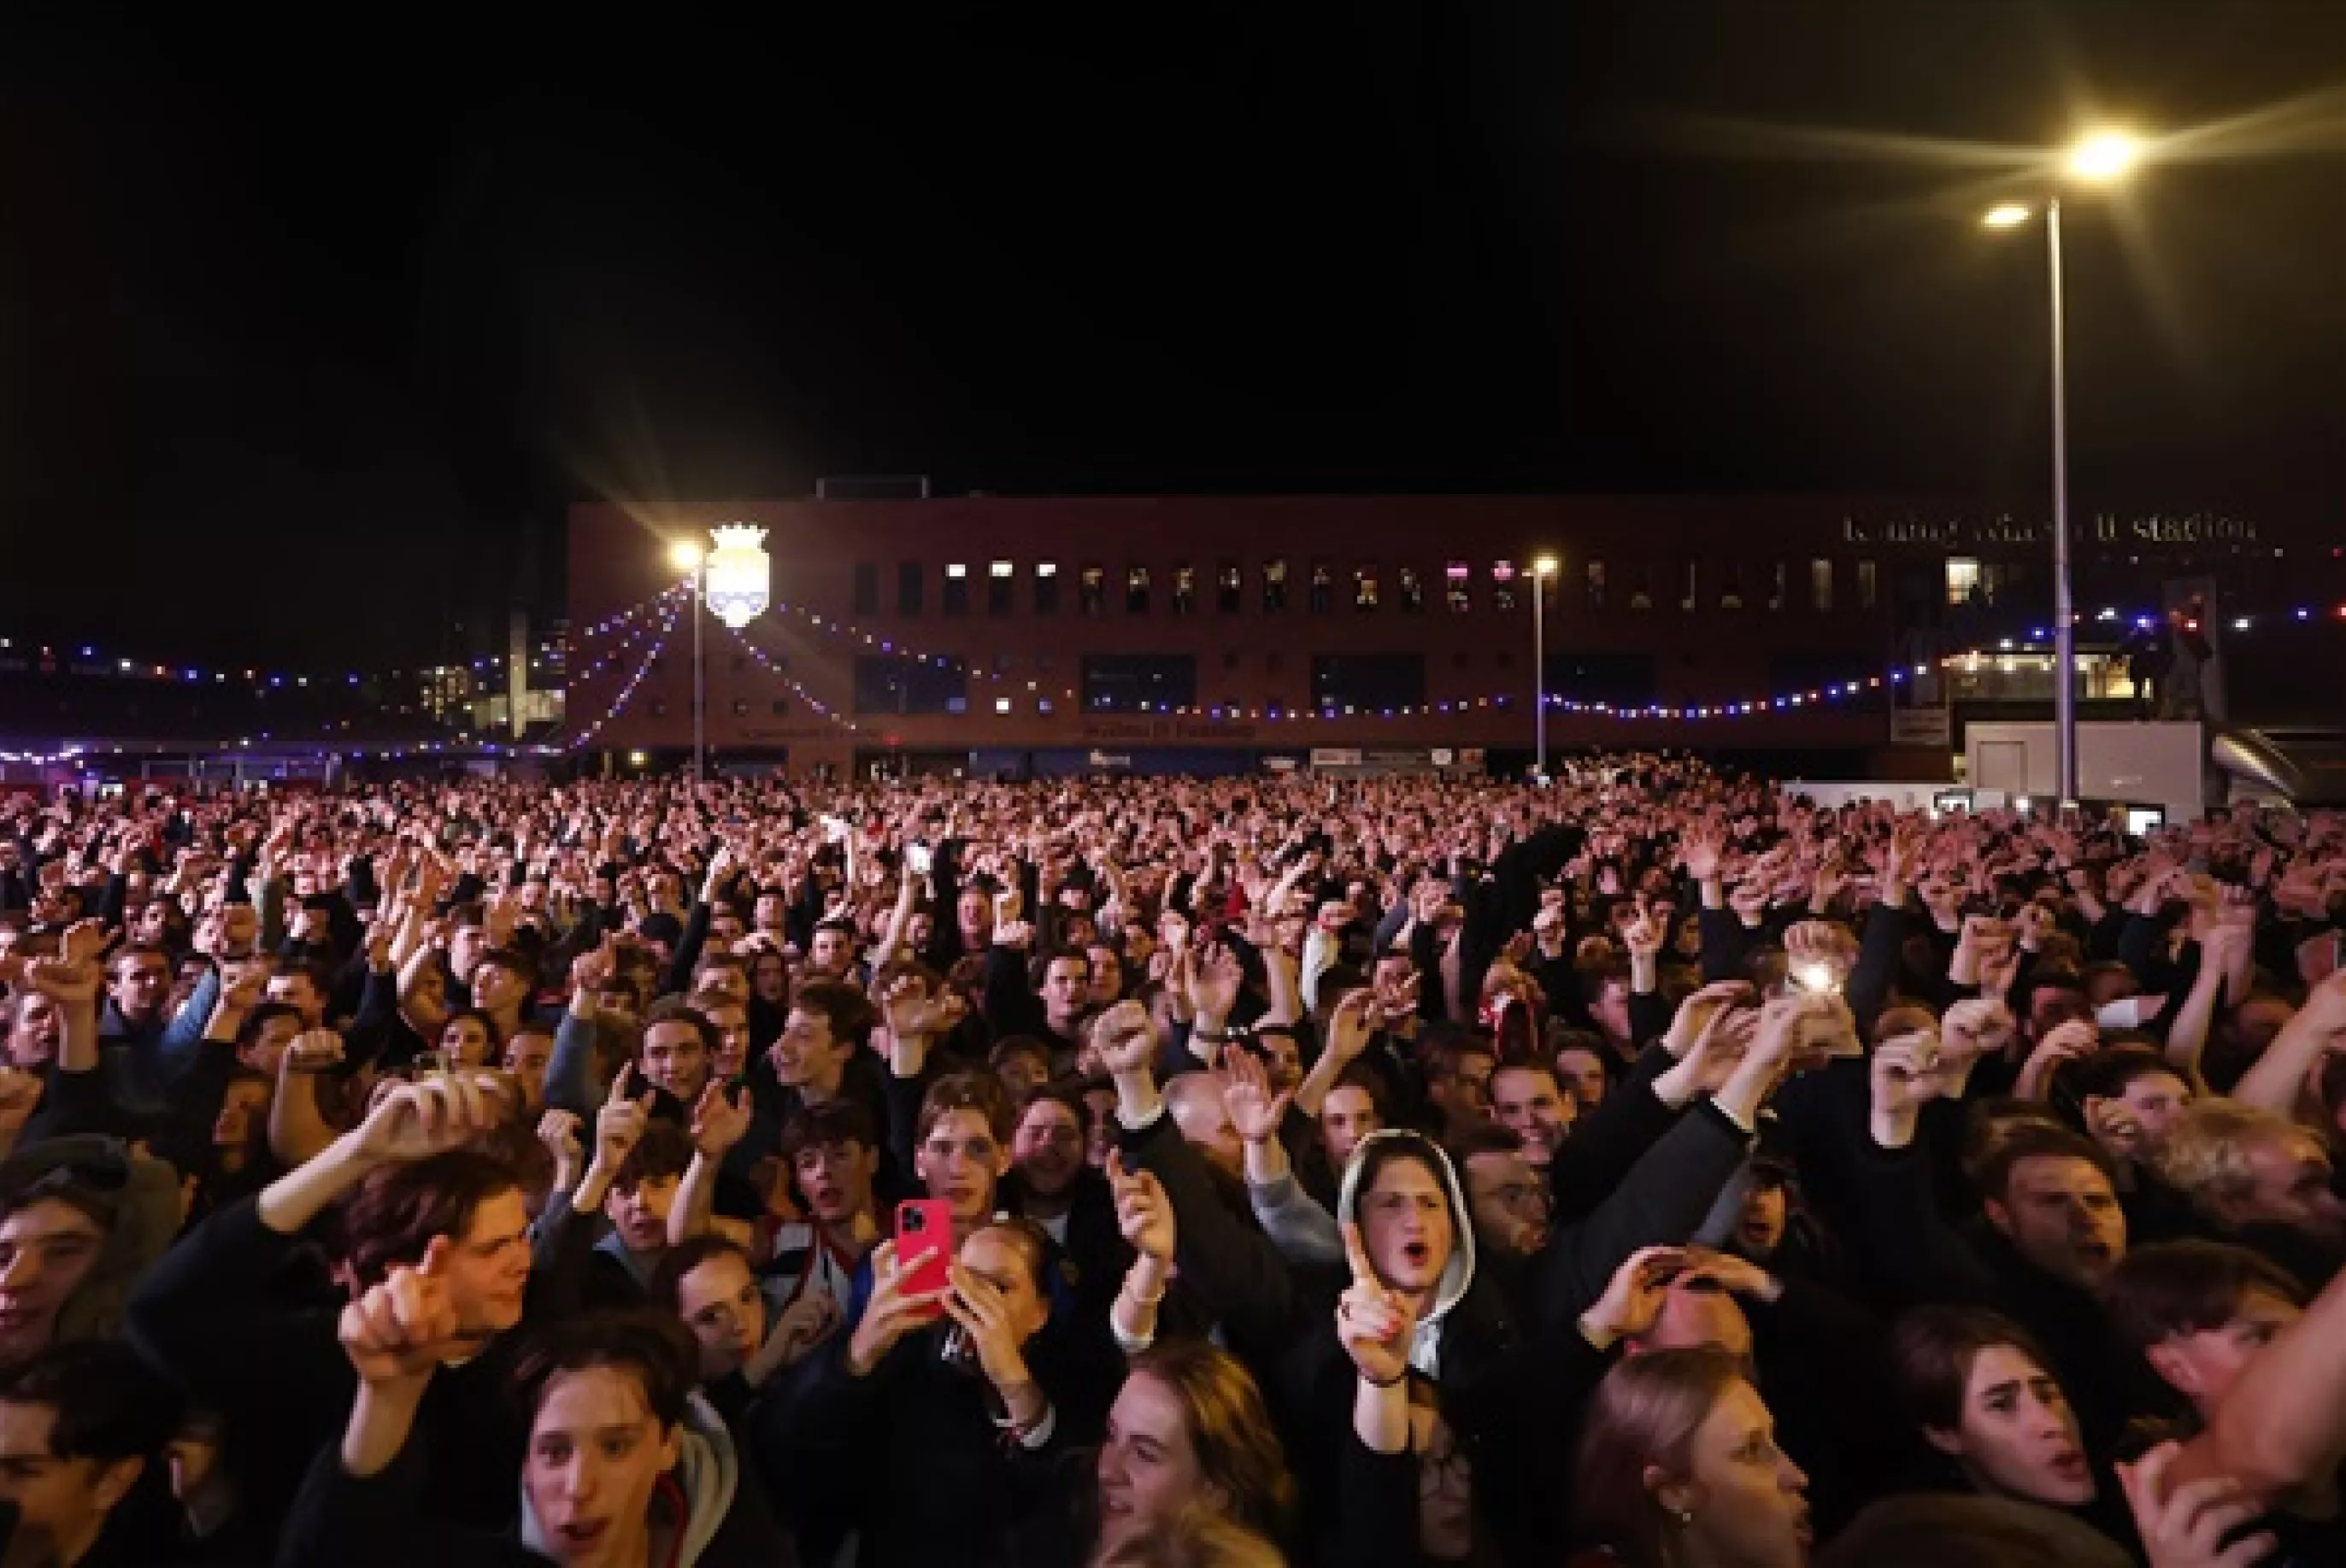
x=1160, y=683
x=1363, y=588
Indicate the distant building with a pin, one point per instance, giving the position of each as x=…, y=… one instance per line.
x=1011, y=636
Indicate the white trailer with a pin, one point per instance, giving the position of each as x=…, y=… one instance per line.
x=2162, y=765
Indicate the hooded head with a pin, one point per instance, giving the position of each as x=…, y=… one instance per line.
x=1400, y=1189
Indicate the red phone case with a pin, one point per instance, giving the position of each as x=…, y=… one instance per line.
x=923, y=1248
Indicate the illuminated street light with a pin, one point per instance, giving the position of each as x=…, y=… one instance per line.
x=2104, y=158
x=684, y=555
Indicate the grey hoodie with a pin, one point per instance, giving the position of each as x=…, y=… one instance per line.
x=1425, y=1345
x=708, y=1470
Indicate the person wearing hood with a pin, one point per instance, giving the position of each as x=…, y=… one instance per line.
x=1496, y=1384
x=627, y=1466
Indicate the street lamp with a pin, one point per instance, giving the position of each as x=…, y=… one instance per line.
x=687, y=557
x=1543, y=570
x=2102, y=159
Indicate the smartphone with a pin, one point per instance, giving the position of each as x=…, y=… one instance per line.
x=923, y=1247
x=919, y=857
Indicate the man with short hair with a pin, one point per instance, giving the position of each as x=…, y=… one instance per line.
x=2262, y=1179
x=80, y=1424
x=2197, y=1311
x=1528, y=1099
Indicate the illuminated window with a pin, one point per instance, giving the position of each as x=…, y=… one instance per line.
x=1091, y=591
x=1641, y=589
x=1047, y=587
x=1184, y=588
x=1135, y=590
x=1503, y=585
x=1731, y=587
x=1458, y=587
x=1000, y=583
x=1229, y=588
x=1002, y=705
x=1594, y=577
x=956, y=589
x=1274, y=584
x=1821, y=583
x=1690, y=591
x=1323, y=581
x=1962, y=579
x=1364, y=588
x=1868, y=585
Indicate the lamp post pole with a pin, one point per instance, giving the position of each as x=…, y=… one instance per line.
x=1542, y=572
x=699, y=675
x=2065, y=619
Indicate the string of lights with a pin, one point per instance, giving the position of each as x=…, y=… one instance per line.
x=94, y=659
x=628, y=689
x=766, y=663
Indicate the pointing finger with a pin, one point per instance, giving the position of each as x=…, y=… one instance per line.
x=1356, y=1253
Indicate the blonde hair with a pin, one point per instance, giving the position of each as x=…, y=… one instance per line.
x=1196, y=1538
x=2205, y=1154
x=1229, y=1429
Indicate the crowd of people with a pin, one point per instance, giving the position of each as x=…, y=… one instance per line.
x=1646, y=1167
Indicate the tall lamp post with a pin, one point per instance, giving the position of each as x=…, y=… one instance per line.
x=688, y=557
x=2103, y=158
x=1542, y=572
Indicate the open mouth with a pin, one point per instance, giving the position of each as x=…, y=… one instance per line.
x=1416, y=1254
x=584, y=1534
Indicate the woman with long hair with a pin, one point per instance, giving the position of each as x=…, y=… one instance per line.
x=1679, y=1469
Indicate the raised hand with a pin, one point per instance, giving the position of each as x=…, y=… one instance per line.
x=1255, y=1112
x=314, y=1051
x=1373, y=1323
x=399, y=1331
x=69, y=986
x=1213, y=982
x=984, y=1315
x=83, y=942
x=719, y=1121
x=1144, y=1213
x=1125, y=1038
x=619, y=1124
x=1633, y=1297
x=2187, y=1525
x=892, y=1312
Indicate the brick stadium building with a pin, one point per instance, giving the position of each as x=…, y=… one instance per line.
x=1199, y=634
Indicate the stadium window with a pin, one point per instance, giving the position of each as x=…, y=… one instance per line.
x=1002, y=705
x=1821, y=583
x=1731, y=587
x=1229, y=587
x=1001, y=585
x=1047, y=587
x=1323, y=581
x=1690, y=597
x=1364, y=588
x=1185, y=588
x=956, y=588
x=1274, y=584
x=1641, y=588
x=1412, y=589
x=740, y=708
x=1962, y=579
x=867, y=588
x=908, y=589
x=1458, y=587
x=1777, y=586
x=1868, y=585
x=1594, y=578
x=1091, y=591
x=1136, y=589
x=1504, y=576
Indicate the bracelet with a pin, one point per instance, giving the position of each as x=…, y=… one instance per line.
x=1212, y=1036
x=1392, y=1382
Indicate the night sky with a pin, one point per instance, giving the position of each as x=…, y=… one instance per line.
x=309, y=334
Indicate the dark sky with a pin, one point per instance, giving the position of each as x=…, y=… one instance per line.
x=308, y=335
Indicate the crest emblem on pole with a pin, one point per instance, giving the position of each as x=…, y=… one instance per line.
x=739, y=572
